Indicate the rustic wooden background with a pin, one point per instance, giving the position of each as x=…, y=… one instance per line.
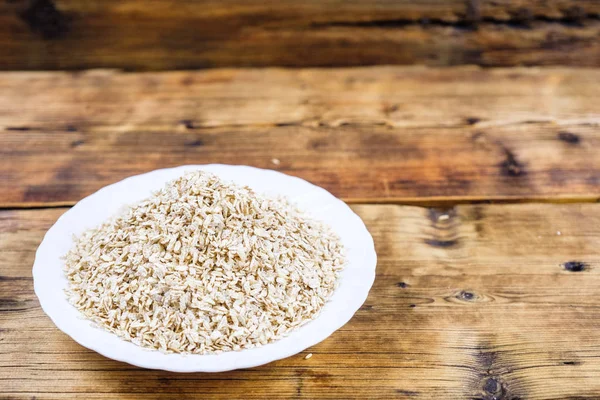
x=187, y=34
x=479, y=185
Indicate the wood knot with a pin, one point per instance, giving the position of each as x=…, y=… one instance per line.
x=43, y=17
x=488, y=382
x=575, y=266
x=402, y=285
x=492, y=386
x=464, y=295
x=472, y=120
x=568, y=137
x=194, y=143
x=469, y=296
x=510, y=166
x=187, y=123
x=494, y=389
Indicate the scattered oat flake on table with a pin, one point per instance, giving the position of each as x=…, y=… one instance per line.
x=275, y=161
x=309, y=355
x=204, y=266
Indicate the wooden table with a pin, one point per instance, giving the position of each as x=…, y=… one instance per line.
x=479, y=186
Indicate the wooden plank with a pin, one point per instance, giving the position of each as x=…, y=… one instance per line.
x=469, y=302
x=391, y=96
x=356, y=163
x=290, y=12
x=384, y=134
x=77, y=34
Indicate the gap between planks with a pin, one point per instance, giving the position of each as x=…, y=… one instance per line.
x=416, y=202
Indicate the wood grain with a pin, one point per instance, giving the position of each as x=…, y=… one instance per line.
x=474, y=301
x=384, y=134
x=78, y=34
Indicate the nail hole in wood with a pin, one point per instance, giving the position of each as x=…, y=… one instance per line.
x=568, y=137
x=575, y=266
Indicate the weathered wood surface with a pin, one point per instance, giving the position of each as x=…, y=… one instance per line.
x=133, y=34
x=490, y=302
x=378, y=134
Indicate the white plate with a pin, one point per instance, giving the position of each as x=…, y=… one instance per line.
x=355, y=282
